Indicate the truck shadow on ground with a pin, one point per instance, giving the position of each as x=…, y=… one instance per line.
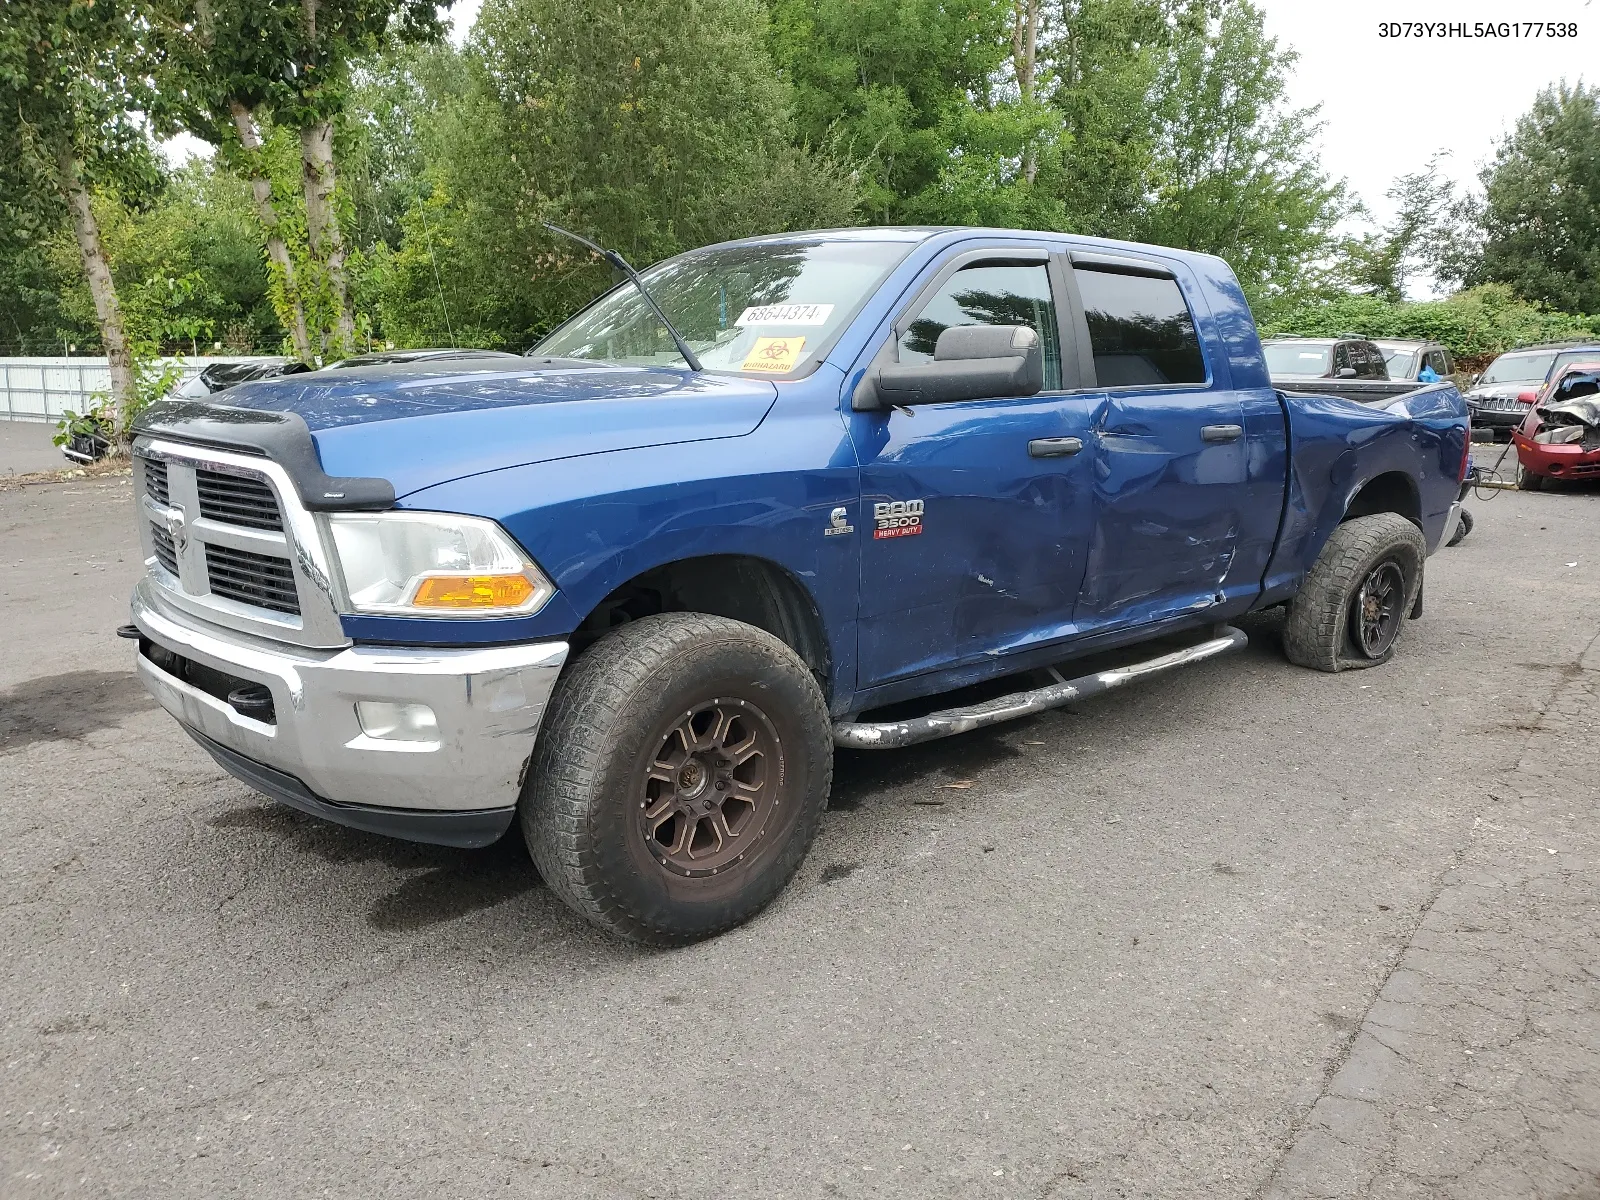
x=60, y=707
x=442, y=882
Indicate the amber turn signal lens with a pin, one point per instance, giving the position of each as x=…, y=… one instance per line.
x=472, y=591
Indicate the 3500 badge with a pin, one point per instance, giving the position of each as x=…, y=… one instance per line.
x=897, y=518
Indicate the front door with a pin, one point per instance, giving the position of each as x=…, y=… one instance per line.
x=975, y=512
x=1171, y=470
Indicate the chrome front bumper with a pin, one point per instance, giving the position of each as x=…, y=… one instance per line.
x=487, y=702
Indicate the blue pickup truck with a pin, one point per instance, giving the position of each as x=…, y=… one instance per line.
x=855, y=488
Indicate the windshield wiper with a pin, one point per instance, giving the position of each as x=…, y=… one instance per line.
x=616, y=260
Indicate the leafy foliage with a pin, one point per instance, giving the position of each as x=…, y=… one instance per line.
x=651, y=127
x=1485, y=320
x=1540, y=217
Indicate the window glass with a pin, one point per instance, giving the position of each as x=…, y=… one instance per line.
x=1374, y=368
x=1140, y=329
x=1436, y=360
x=1519, y=368
x=990, y=295
x=1398, y=361
x=766, y=308
x=1341, y=357
x=1295, y=358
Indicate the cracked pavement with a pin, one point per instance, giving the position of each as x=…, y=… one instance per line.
x=1248, y=931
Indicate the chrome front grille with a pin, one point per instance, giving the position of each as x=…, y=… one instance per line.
x=227, y=539
x=155, y=481
x=1500, y=404
x=166, y=552
x=252, y=578
x=237, y=500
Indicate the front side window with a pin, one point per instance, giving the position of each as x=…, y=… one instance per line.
x=1341, y=357
x=990, y=294
x=765, y=308
x=1140, y=329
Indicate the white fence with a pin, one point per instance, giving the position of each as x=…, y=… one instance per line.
x=39, y=389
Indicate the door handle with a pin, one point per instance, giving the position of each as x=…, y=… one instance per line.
x=1054, y=447
x=1221, y=433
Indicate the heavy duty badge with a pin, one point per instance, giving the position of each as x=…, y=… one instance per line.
x=897, y=518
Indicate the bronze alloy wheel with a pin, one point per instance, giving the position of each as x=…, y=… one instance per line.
x=711, y=789
x=1376, y=614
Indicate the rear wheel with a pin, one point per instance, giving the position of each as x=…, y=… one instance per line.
x=1463, y=527
x=1352, y=608
x=1527, y=481
x=679, y=778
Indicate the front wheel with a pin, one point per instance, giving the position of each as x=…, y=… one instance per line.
x=679, y=777
x=1352, y=607
x=1527, y=481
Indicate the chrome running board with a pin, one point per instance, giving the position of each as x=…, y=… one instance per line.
x=891, y=735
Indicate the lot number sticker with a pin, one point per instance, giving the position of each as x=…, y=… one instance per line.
x=784, y=314
x=774, y=354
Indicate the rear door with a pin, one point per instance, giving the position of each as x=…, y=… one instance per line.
x=1172, y=493
x=976, y=512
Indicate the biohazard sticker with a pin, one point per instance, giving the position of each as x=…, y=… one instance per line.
x=774, y=354
x=784, y=314
x=896, y=519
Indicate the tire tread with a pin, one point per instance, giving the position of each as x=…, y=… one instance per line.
x=589, y=710
x=1314, y=634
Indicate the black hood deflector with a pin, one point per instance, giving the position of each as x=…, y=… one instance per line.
x=283, y=437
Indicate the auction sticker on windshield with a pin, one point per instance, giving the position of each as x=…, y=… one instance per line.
x=774, y=354
x=784, y=314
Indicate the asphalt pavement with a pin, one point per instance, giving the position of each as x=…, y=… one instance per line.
x=25, y=447
x=1244, y=931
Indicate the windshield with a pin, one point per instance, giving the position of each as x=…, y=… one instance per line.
x=1567, y=357
x=1519, y=368
x=1296, y=358
x=1398, y=361
x=767, y=308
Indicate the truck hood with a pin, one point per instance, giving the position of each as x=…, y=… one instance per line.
x=421, y=424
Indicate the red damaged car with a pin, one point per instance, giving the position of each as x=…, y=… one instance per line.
x=1560, y=436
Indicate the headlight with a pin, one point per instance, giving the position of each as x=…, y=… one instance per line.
x=424, y=564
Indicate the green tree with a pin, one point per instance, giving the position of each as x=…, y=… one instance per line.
x=651, y=127
x=1231, y=172
x=1410, y=246
x=187, y=264
x=70, y=92
x=217, y=63
x=1539, y=221
x=893, y=84
x=225, y=64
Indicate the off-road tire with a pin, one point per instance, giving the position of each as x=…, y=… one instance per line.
x=1317, y=631
x=604, y=730
x=1527, y=481
x=1463, y=527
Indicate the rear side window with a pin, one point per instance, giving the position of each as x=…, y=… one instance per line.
x=1140, y=329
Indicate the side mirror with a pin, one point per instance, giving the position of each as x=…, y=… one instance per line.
x=970, y=362
x=1347, y=373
